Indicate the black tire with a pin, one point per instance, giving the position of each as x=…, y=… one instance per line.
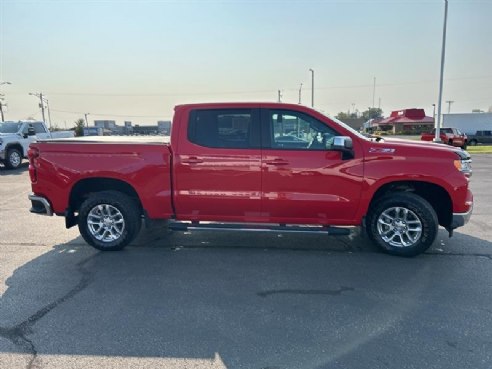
x=13, y=160
x=417, y=208
x=114, y=205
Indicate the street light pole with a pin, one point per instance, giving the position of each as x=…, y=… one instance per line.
x=312, y=87
x=373, y=92
x=300, y=91
x=1, y=100
x=437, y=137
x=449, y=102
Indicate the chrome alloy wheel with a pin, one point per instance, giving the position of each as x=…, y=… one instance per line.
x=15, y=159
x=399, y=227
x=105, y=223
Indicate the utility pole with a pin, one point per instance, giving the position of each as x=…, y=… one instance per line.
x=379, y=105
x=86, y=122
x=49, y=113
x=449, y=102
x=1, y=107
x=300, y=92
x=434, y=112
x=279, y=96
x=312, y=87
x=41, y=103
x=437, y=137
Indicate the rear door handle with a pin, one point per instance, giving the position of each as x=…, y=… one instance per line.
x=276, y=162
x=192, y=160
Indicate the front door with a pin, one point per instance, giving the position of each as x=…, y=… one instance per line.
x=303, y=180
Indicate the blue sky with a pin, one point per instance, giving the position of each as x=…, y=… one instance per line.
x=134, y=60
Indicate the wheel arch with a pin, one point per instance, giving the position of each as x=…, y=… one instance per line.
x=437, y=196
x=15, y=145
x=83, y=188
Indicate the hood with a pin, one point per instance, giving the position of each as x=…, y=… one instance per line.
x=395, y=143
x=8, y=134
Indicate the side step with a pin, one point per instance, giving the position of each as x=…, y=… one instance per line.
x=329, y=230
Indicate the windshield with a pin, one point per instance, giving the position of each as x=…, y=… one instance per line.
x=346, y=126
x=10, y=127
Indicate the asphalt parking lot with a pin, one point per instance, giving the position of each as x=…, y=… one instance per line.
x=231, y=300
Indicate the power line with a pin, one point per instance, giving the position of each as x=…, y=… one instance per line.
x=108, y=114
x=258, y=91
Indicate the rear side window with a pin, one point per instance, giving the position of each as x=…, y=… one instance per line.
x=229, y=129
x=39, y=128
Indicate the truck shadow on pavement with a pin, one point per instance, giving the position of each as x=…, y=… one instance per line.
x=183, y=301
x=13, y=172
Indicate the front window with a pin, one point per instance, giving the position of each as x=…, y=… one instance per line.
x=298, y=131
x=9, y=127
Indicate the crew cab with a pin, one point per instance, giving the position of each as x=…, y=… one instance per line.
x=15, y=138
x=450, y=136
x=253, y=166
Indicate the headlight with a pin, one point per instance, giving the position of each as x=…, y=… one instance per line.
x=464, y=166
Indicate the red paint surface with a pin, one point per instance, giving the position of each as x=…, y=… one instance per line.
x=248, y=185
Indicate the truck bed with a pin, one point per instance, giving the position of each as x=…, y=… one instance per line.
x=112, y=139
x=63, y=167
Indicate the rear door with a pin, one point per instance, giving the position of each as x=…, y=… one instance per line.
x=217, y=165
x=304, y=181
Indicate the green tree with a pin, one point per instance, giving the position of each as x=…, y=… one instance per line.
x=345, y=115
x=79, y=127
x=372, y=113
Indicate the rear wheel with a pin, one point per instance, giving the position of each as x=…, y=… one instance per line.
x=402, y=224
x=109, y=220
x=13, y=159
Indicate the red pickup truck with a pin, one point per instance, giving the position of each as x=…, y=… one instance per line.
x=449, y=136
x=254, y=166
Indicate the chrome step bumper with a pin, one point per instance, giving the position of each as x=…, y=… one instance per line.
x=40, y=205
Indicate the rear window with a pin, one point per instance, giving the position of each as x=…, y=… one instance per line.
x=232, y=128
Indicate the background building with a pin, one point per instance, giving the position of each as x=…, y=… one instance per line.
x=469, y=123
x=406, y=121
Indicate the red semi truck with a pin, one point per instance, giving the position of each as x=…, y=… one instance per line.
x=254, y=166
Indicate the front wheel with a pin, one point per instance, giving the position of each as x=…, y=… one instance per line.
x=109, y=220
x=402, y=224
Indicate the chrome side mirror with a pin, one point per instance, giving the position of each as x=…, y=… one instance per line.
x=343, y=144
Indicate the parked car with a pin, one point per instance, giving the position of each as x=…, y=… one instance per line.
x=480, y=137
x=15, y=138
x=222, y=168
x=449, y=136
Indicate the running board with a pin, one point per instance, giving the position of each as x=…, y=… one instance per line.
x=183, y=226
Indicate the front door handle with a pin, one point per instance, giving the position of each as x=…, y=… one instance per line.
x=276, y=162
x=192, y=160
